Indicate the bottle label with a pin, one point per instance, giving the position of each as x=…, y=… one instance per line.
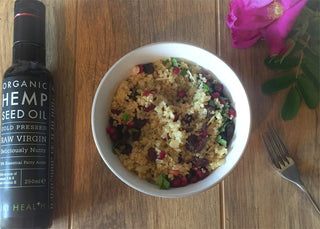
x=26, y=157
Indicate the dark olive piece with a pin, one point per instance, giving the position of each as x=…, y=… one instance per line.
x=148, y=68
x=152, y=154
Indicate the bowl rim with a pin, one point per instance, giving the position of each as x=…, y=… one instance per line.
x=161, y=194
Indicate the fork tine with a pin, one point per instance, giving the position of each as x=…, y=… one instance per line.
x=279, y=145
x=270, y=151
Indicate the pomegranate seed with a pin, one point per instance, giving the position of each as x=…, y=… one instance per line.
x=161, y=155
x=223, y=102
x=114, y=137
x=122, y=122
x=183, y=182
x=140, y=68
x=174, y=172
x=218, y=87
x=200, y=174
x=176, y=182
x=149, y=108
x=176, y=70
x=193, y=179
x=215, y=95
x=232, y=113
x=182, y=94
x=130, y=124
x=153, y=91
x=205, y=174
x=111, y=130
x=114, y=111
x=147, y=93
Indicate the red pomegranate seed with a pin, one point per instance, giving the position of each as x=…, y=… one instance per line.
x=130, y=124
x=161, y=155
x=114, y=111
x=149, y=108
x=232, y=113
x=215, y=95
x=222, y=101
x=153, y=91
x=183, y=182
x=205, y=174
x=218, y=87
x=193, y=179
x=114, y=137
x=176, y=70
x=200, y=174
x=182, y=94
x=176, y=182
x=111, y=130
x=140, y=68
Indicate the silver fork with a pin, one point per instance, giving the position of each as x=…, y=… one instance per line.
x=283, y=162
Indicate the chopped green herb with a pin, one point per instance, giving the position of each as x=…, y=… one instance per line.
x=212, y=104
x=125, y=117
x=165, y=62
x=183, y=71
x=152, y=83
x=207, y=88
x=116, y=147
x=132, y=130
x=223, y=128
x=195, y=100
x=227, y=106
x=162, y=182
x=174, y=62
x=221, y=141
x=223, y=98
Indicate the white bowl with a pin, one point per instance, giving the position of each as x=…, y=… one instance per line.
x=150, y=53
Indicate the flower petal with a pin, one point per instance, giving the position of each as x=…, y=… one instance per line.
x=276, y=33
x=244, y=39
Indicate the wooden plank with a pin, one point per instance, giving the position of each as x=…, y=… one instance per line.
x=106, y=31
x=256, y=197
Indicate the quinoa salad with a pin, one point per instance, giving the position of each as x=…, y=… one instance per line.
x=171, y=122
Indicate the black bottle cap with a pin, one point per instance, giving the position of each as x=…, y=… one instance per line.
x=29, y=31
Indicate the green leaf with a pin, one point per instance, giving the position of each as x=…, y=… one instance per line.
x=278, y=83
x=221, y=141
x=297, y=47
x=311, y=72
x=207, y=88
x=291, y=104
x=125, y=117
x=314, y=29
x=162, y=182
x=308, y=92
x=311, y=67
x=183, y=71
x=174, y=62
x=275, y=64
x=165, y=62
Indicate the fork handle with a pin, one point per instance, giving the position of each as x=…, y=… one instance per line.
x=316, y=207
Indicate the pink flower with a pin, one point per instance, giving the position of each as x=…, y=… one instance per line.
x=271, y=19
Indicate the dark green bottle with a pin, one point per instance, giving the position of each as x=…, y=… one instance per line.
x=26, y=156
